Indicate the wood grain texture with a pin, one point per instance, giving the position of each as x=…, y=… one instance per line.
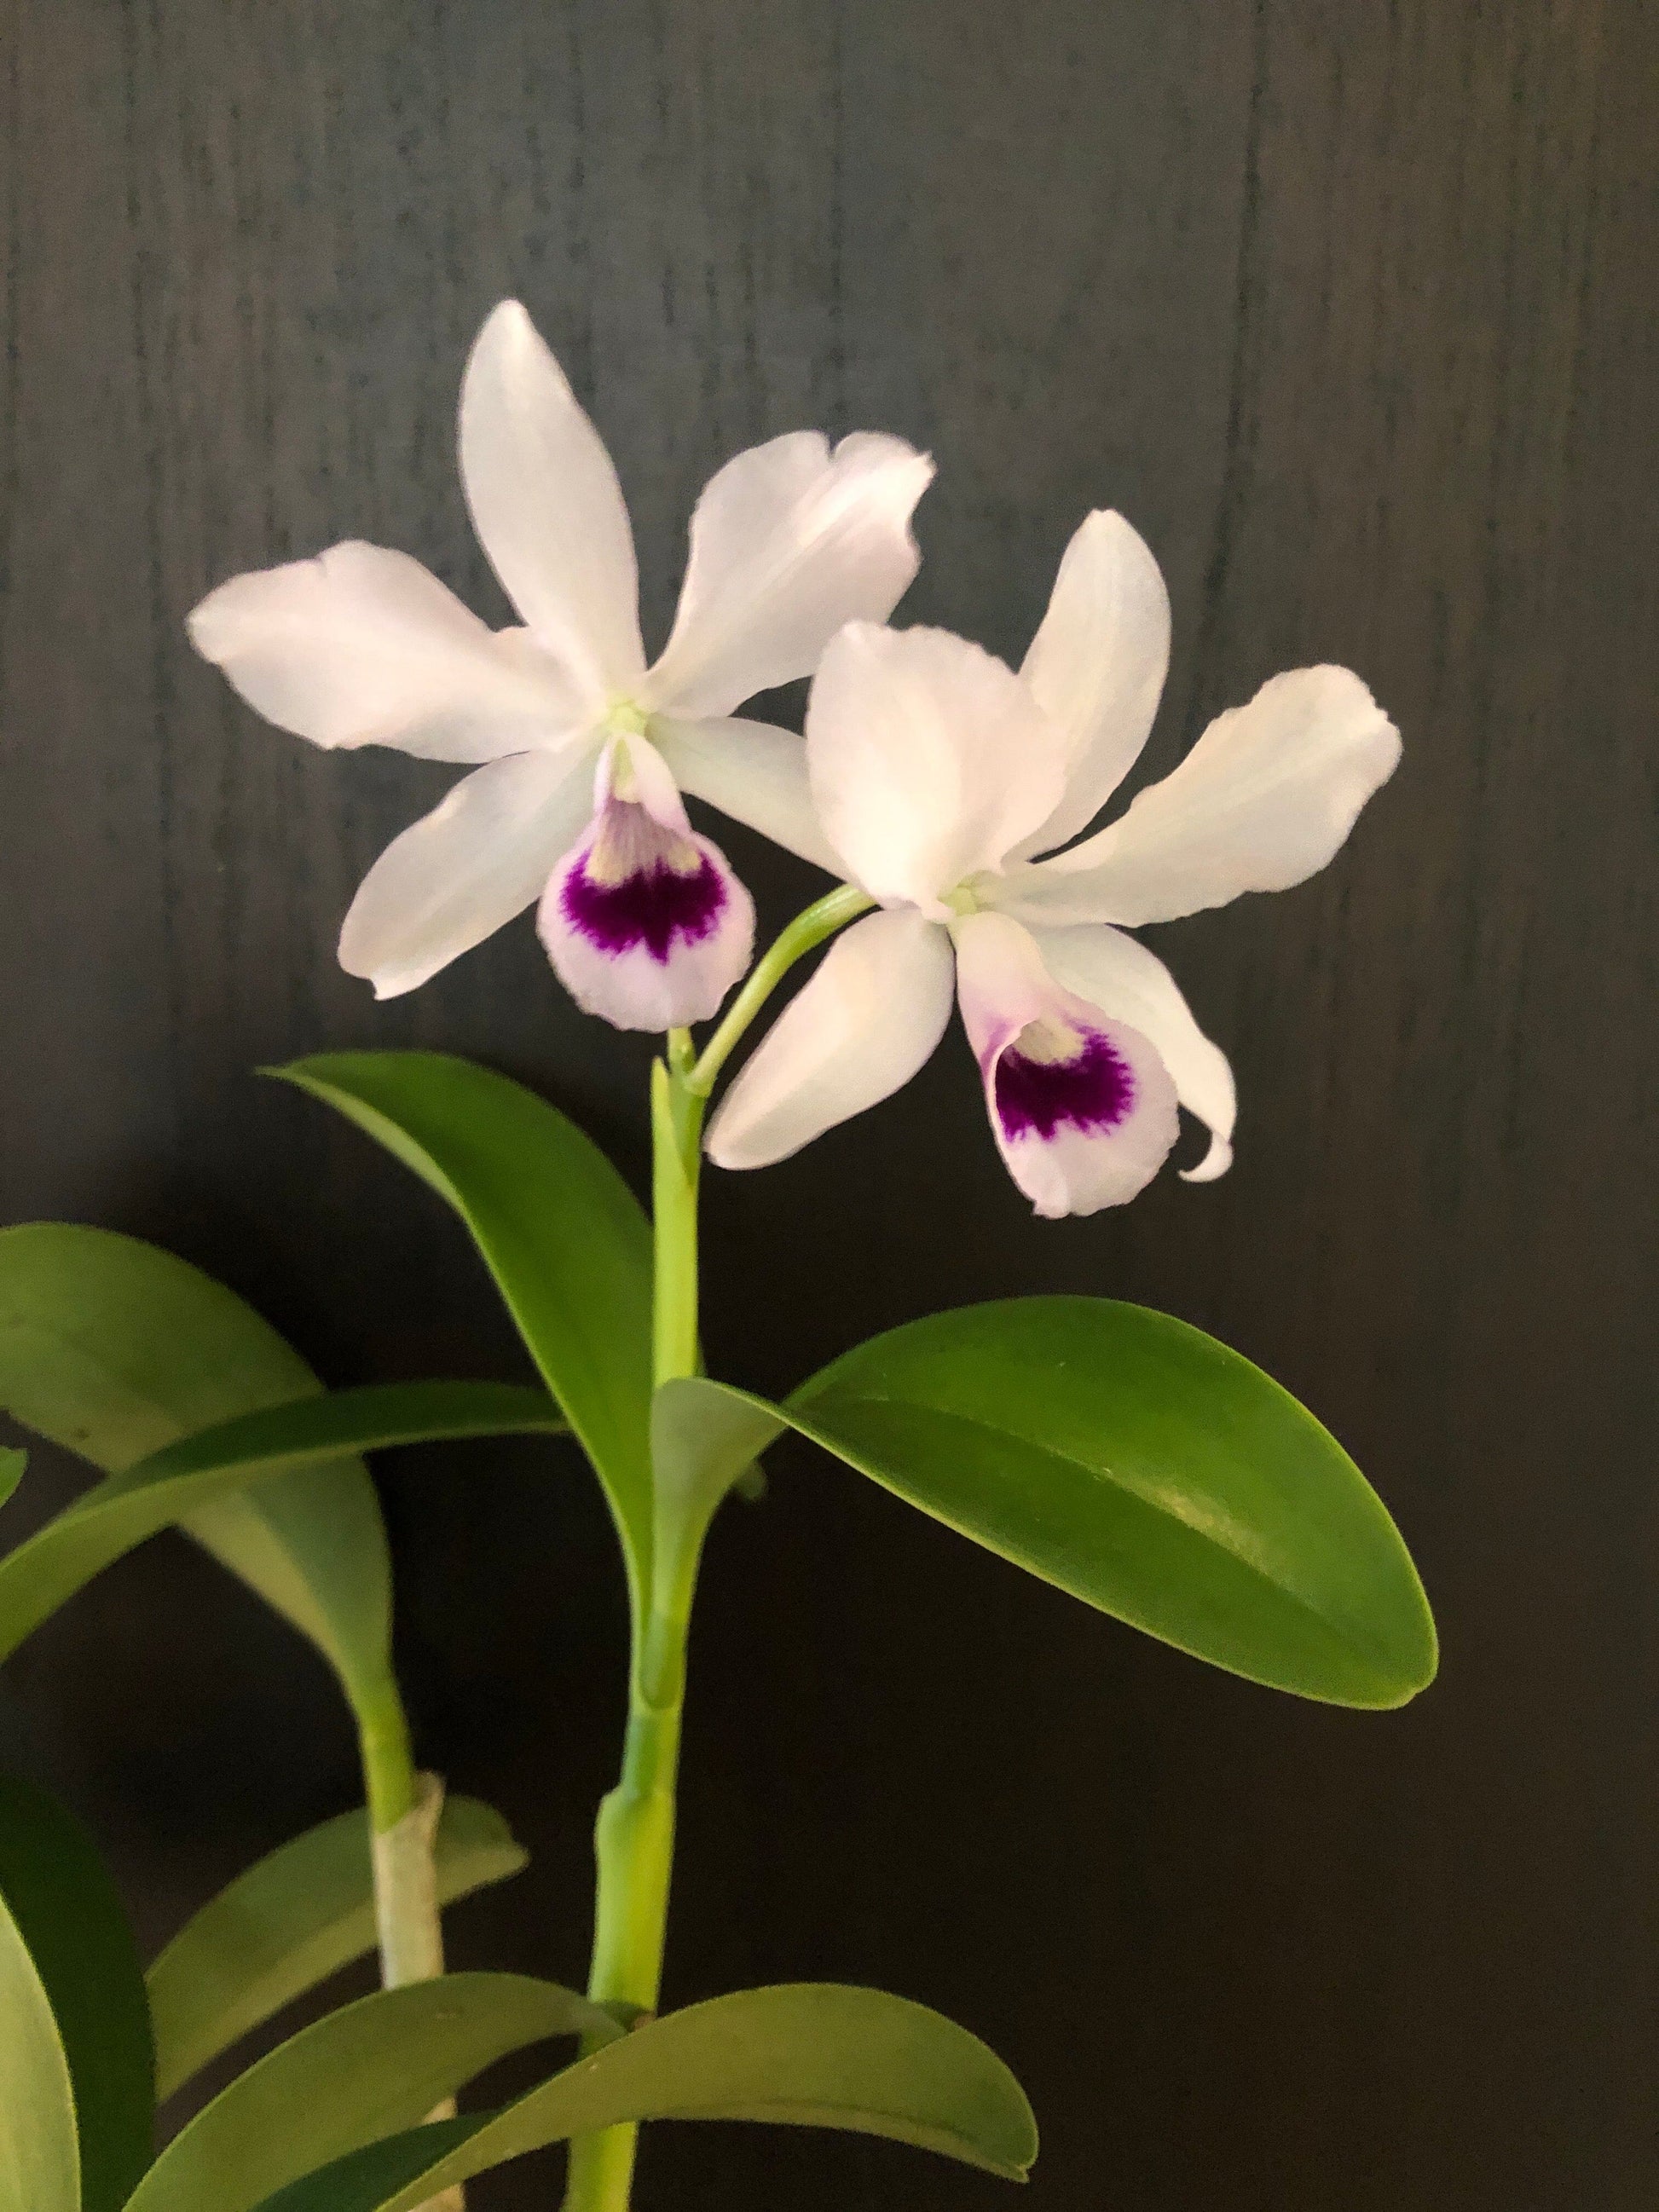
x=1350, y=308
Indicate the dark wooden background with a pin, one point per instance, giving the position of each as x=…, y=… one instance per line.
x=1351, y=307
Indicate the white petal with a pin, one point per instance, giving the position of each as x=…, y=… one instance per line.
x=547, y=506
x=1082, y=1108
x=1264, y=799
x=470, y=864
x=929, y=760
x=863, y=1026
x=1124, y=980
x=644, y=923
x=788, y=542
x=364, y=647
x=1098, y=665
x=753, y=772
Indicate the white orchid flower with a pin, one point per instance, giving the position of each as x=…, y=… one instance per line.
x=938, y=773
x=579, y=751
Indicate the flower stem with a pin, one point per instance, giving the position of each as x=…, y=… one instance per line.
x=676, y=1157
x=810, y=927
x=633, y=1835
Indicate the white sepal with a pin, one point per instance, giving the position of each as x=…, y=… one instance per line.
x=454, y=877
x=1096, y=665
x=1265, y=799
x=547, y=506
x=364, y=647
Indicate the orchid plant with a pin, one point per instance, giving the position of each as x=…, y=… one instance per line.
x=1116, y=1453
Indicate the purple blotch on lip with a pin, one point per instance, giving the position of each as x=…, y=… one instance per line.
x=1093, y=1090
x=655, y=906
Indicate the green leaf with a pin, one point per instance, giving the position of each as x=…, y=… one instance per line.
x=12, y=1464
x=1148, y=1469
x=116, y=1349
x=40, y=2162
x=1144, y=1467
x=801, y=2055
x=373, y=1418
x=289, y=1923
x=366, y=2072
x=251, y=1450
x=374, y=2175
x=704, y=1442
x=563, y=1237
x=60, y=1901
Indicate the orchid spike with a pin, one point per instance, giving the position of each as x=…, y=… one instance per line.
x=938, y=773
x=579, y=751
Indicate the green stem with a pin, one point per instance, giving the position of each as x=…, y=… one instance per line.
x=388, y=1756
x=633, y=1835
x=403, y=1811
x=810, y=927
x=677, y=1158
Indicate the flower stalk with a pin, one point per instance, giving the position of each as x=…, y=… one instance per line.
x=676, y=1160
x=633, y=1835
x=807, y=931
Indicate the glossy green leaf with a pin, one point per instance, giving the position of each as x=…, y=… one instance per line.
x=1148, y=1469
x=12, y=1464
x=59, y=1899
x=810, y=2054
x=40, y=2158
x=704, y=1442
x=372, y=2068
x=116, y=1349
x=174, y=1483
x=375, y=2176
x=561, y=1234
x=292, y=1920
x=374, y=1417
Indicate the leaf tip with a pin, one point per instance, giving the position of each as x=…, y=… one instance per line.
x=1418, y=1648
x=1412, y=1668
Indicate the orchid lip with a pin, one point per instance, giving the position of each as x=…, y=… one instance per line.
x=1053, y=1077
x=638, y=887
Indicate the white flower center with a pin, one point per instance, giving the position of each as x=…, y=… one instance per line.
x=624, y=781
x=622, y=719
